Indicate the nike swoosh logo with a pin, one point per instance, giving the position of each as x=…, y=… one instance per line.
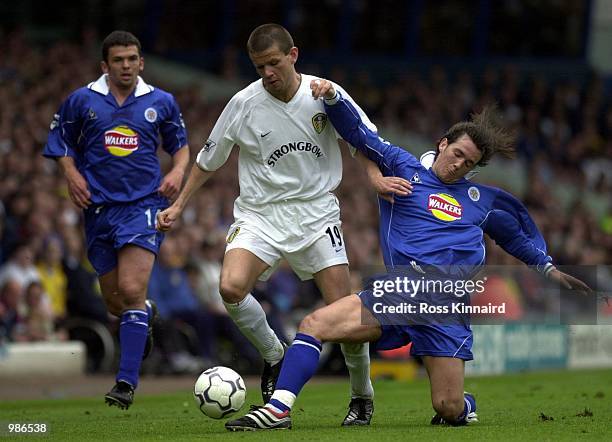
x=266, y=134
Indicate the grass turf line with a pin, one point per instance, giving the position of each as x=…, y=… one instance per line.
x=530, y=406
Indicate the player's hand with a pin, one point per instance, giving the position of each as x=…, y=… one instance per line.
x=389, y=186
x=569, y=282
x=78, y=190
x=322, y=88
x=166, y=218
x=171, y=184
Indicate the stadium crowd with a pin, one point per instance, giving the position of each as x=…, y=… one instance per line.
x=564, y=156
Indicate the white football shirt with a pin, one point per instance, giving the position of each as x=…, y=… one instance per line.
x=288, y=151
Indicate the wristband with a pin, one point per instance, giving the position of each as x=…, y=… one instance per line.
x=333, y=100
x=549, y=267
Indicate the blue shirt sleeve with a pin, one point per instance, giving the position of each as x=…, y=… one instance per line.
x=65, y=129
x=510, y=225
x=172, y=129
x=349, y=125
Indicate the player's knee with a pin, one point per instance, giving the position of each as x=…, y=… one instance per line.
x=231, y=292
x=132, y=295
x=312, y=325
x=448, y=407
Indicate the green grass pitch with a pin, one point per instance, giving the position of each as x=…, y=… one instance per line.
x=531, y=406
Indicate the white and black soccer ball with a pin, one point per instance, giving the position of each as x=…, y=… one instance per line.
x=219, y=392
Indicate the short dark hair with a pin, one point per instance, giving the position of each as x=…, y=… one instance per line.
x=119, y=38
x=487, y=132
x=265, y=36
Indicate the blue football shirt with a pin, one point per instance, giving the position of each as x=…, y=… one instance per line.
x=114, y=146
x=440, y=225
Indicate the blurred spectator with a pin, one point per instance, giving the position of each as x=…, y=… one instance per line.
x=20, y=266
x=84, y=298
x=204, y=272
x=176, y=302
x=3, y=240
x=11, y=293
x=205, y=277
x=52, y=276
x=283, y=288
x=39, y=322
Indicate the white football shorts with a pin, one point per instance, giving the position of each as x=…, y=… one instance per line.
x=307, y=234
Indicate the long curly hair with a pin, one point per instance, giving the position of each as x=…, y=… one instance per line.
x=487, y=131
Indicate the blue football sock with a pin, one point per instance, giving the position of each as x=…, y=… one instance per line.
x=133, y=335
x=469, y=406
x=300, y=363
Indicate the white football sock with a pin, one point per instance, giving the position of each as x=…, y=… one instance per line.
x=357, y=359
x=285, y=397
x=251, y=320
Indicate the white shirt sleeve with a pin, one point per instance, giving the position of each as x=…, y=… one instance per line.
x=218, y=147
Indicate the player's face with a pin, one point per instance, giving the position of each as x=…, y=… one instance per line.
x=123, y=65
x=456, y=159
x=277, y=70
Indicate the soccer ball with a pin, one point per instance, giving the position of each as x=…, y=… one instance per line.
x=219, y=392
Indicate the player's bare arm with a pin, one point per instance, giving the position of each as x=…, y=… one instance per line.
x=77, y=186
x=385, y=186
x=171, y=183
x=197, y=177
x=569, y=282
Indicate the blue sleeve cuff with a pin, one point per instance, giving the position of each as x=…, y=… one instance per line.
x=333, y=100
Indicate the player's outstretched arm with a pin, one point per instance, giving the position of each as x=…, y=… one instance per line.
x=197, y=177
x=513, y=229
x=568, y=281
x=171, y=183
x=77, y=185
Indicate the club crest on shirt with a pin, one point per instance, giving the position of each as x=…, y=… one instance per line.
x=150, y=115
x=444, y=207
x=91, y=114
x=233, y=235
x=319, y=121
x=474, y=193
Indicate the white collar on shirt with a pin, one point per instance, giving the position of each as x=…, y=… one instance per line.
x=101, y=86
x=427, y=160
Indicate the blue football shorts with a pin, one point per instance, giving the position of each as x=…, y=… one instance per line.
x=430, y=336
x=110, y=227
